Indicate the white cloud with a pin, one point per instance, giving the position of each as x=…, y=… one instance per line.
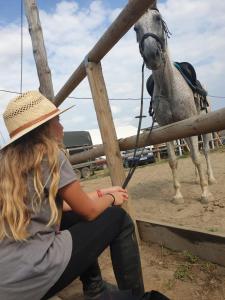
x=115, y=109
x=65, y=8
x=95, y=136
x=125, y=131
x=113, y=14
x=70, y=31
x=72, y=121
x=121, y=132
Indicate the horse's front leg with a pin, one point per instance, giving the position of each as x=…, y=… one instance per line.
x=195, y=155
x=178, y=198
x=206, y=149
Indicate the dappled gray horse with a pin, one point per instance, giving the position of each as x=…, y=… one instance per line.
x=172, y=100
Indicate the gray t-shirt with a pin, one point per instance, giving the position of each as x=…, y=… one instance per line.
x=29, y=268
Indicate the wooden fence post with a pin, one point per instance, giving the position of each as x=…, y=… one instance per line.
x=40, y=56
x=107, y=128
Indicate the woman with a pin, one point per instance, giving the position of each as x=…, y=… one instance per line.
x=37, y=258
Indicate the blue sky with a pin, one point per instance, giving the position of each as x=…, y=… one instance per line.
x=10, y=9
x=71, y=28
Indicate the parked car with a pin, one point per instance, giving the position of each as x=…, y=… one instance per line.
x=143, y=156
x=100, y=163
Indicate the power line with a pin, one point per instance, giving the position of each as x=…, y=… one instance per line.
x=81, y=98
x=117, y=99
x=219, y=97
x=11, y=92
x=113, y=99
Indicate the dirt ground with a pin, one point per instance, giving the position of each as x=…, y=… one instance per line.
x=181, y=276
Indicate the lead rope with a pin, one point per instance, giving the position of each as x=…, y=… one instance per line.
x=132, y=169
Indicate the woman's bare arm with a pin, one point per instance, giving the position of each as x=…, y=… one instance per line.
x=89, y=205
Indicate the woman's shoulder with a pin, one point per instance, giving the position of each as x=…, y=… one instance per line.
x=62, y=156
x=65, y=152
x=66, y=171
x=62, y=159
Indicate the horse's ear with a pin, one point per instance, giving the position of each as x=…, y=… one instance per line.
x=154, y=4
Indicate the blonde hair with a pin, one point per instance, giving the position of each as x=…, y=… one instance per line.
x=16, y=162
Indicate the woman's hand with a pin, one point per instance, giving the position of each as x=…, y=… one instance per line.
x=118, y=192
x=113, y=189
x=120, y=197
x=91, y=205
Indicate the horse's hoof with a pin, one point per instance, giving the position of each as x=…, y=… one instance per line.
x=211, y=181
x=178, y=200
x=206, y=198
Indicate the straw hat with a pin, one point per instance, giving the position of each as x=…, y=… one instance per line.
x=26, y=112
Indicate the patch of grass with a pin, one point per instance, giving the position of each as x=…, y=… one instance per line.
x=190, y=257
x=170, y=284
x=184, y=155
x=183, y=272
x=207, y=267
x=213, y=229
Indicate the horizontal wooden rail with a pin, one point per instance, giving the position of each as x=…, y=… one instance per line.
x=129, y=15
x=213, y=121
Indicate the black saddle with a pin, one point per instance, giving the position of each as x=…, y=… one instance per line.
x=188, y=70
x=189, y=74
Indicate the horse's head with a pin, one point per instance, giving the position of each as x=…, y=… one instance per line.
x=152, y=33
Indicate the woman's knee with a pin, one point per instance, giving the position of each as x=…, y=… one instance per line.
x=119, y=215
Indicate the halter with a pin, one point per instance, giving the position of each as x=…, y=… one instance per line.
x=158, y=39
x=162, y=41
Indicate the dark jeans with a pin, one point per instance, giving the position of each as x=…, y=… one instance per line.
x=90, y=238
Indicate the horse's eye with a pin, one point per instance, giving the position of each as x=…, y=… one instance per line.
x=135, y=29
x=157, y=18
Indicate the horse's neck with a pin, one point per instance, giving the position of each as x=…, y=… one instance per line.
x=164, y=76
